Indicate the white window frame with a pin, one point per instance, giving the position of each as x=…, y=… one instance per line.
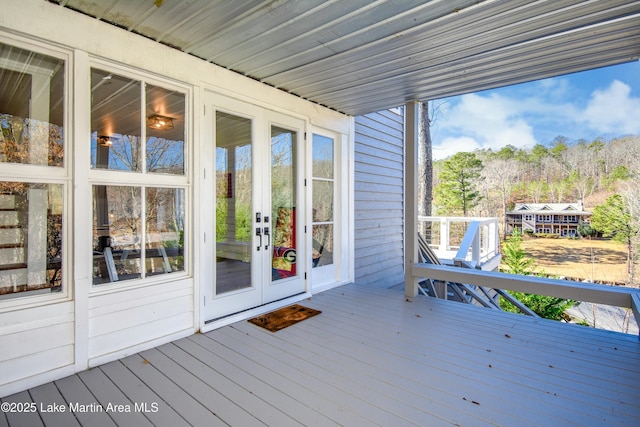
x=47, y=175
x=338, y=273
x=139, y=179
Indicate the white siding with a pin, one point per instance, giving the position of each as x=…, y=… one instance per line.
x=35, y=342
x=379, y=198
x=126, y=321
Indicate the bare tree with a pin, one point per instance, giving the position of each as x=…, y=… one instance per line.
x=503, y=175
x=425, y=162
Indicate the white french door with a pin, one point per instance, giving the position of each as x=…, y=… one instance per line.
x=253, y=206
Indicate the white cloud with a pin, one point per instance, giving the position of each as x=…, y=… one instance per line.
x=613, y=110
x=483, y=122
x=451, y=146
x=545, y=109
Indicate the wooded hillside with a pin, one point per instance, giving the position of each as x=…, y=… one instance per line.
x=563, y=171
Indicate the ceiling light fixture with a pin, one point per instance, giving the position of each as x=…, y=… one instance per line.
x=160, y=122
x=104, y=141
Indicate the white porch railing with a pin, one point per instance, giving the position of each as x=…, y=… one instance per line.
x=618, y=296
x=479, y=246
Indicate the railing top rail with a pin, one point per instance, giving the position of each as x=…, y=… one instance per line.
x=618, y=296
x=481, y=220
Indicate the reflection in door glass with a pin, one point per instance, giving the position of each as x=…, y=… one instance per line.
x=323, y=188
x=233, y=203
x=283, y=202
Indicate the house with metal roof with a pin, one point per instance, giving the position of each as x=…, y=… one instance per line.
x=170, y=169
x=562, y=219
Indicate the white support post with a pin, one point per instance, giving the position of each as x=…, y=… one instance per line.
x=475, y=248
x=411, y=198
x=37, y=237
x=444, y=234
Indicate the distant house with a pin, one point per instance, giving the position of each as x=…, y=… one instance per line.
x=552, y=218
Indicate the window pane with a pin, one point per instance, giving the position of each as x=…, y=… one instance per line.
x=115, y=122
x=117, y=233
x=322, y=201
x=164, y=247
x=233, y=214
x=283, y=202
x=322, y=245
x=165, y=130
x=30, y=237
x=31, y=107
x=322, y=156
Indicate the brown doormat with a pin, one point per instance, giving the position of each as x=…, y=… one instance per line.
x=284, y=317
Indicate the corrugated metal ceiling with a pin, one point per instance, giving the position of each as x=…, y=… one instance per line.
x=358, y=56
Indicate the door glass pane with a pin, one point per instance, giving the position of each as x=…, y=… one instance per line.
x=322, y=157
x=322, y=244
x=322, y=200
x=31, y=107
x=323, y=187
x=283, y=202
x=115, y=122
x=233, y=203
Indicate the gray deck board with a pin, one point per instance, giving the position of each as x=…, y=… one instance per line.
x=26, y=418
x=138, y=391
x=48, y=394
x=236, y=395
x=76, y=393
x=225, y=408
x=369, y=359
x=191, y=410
x=302, y=403
x=107, y=393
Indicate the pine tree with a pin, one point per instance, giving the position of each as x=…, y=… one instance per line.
x=457, y=193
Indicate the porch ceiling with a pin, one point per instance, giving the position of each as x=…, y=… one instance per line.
x=359, y=56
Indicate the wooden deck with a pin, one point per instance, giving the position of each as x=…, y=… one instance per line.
x=370, y=358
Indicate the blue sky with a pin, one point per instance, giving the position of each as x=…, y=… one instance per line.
x=597, y=103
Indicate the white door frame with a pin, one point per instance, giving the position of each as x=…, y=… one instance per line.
x=263, y=290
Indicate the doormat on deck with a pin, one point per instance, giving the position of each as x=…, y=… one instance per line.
x=284, y=317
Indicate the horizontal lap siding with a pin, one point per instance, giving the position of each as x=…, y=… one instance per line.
x=129, y=318
x=379, y=198
x=35, y=341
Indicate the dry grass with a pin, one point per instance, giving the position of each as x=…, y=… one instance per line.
x=586, y=259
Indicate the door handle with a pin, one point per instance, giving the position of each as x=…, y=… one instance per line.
x=266, y=233
x=259, y=234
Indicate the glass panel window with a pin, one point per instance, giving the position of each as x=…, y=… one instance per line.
x=165, y=130
x=117, y=233
x=31, y=230
x=164, y=231
x=323, y=187
x=138, y=228
x=118, y=132
x=115, y=122
x=119, y=230
x=32, y=117
x=31, y=107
